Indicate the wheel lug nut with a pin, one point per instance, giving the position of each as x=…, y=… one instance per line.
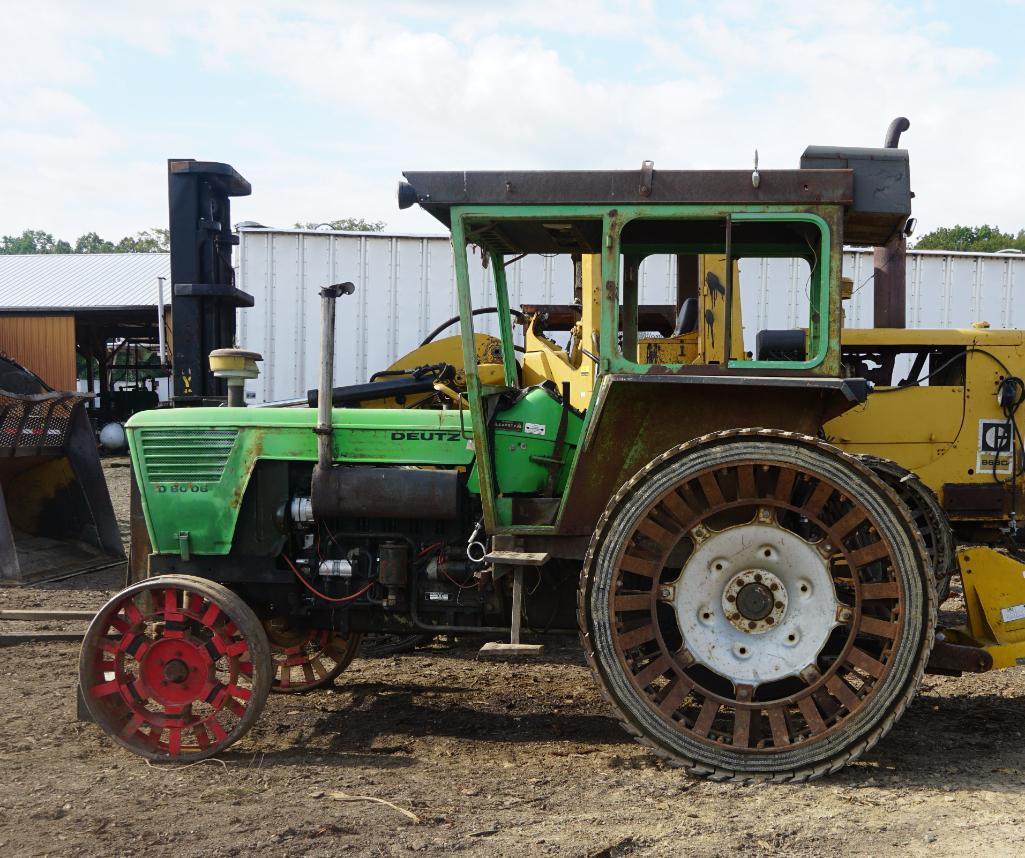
x=779, y=604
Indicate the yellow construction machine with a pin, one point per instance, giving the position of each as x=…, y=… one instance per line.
x=939, y=426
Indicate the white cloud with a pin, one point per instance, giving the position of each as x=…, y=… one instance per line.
x=394, y=85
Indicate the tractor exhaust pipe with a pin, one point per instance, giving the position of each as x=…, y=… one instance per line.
x=890, y=261
x=897, y=127
x=327, y=369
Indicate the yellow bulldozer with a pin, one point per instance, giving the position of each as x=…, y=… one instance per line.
x=939, y=426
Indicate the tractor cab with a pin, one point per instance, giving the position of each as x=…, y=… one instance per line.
x=557, y=428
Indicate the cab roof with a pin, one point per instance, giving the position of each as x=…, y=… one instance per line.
x=871, y=185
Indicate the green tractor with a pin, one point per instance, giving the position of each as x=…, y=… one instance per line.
x=753, y=602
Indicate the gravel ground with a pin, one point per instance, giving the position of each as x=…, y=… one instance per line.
x=492, y=758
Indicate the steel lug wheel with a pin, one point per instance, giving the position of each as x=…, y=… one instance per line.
x=305, y=659
x=757, y=605
x=175, y=668
x=928, y=515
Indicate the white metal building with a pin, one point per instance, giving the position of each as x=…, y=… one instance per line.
x=405, y=287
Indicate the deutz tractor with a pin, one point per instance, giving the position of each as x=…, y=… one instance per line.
x=753, y=602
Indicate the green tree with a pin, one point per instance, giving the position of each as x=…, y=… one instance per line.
x=978, y=239
x=33, y=241
x=348, y=224
x=156, y=240
x=92, y=243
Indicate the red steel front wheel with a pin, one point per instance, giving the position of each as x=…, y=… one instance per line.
x=175, y=668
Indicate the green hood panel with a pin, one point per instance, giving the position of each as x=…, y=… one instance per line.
x=193, y=464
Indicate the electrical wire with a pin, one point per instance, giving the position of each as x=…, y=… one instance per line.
x=1016, y=388
x=1009, y=409
x=920, y=379
x=317, y=592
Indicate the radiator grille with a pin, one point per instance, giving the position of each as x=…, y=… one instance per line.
x=186, y=455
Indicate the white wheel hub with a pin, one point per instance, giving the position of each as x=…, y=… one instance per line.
x=755, y=602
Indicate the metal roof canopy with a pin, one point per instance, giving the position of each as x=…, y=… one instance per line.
x=71, y=282
x=872, y=185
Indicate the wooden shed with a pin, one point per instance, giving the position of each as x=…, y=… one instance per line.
x=57, y=307
x=43, y=344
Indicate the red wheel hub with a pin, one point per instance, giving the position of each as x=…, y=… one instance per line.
x=176, y=672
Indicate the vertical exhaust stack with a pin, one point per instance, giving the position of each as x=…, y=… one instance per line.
x=327, y=370
x=890, y=260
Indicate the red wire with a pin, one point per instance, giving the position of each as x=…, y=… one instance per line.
x=316, y=592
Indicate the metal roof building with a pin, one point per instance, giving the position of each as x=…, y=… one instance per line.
x=76, y=281
x=56, y=306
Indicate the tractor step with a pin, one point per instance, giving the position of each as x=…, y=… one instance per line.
x=496, y=650
x=518, y=558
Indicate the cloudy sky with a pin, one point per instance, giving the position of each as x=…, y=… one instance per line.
x=321, y=105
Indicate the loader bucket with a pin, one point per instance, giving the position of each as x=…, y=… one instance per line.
x=56, y=517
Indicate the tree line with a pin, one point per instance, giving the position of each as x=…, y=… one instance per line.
x=978, y=239
x=156, y=240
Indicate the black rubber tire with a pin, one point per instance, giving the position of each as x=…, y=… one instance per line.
x=928, y=515
x=809, y=760
x=236, y=610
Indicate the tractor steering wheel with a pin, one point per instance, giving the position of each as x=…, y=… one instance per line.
x=448, y=323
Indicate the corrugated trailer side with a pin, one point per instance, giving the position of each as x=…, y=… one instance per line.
x=405, y=288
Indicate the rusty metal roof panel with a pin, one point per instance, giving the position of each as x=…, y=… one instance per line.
x=437, y=192
x=68, y=281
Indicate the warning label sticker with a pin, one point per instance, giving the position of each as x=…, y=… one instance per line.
x=995, y=440
x=509, y=425
x=1013, y=613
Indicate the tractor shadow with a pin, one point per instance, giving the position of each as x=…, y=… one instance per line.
x=949, y=743
x=950, y=738
x=391, y=725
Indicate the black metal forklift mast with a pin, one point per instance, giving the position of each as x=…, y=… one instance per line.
x=204, y=295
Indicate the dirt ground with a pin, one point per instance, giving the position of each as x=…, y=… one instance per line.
x=494, y=759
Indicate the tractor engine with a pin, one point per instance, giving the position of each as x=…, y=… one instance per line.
x=395, y=545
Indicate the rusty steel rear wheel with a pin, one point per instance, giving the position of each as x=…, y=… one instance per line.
x=757, y=605
x=175, y=668
x=929, y=517
x=305, y=659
